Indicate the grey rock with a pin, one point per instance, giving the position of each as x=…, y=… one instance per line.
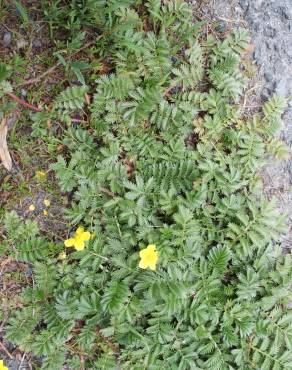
x=23, y=92
x=20, y=44
x=269, y=23
x=221, y=27
x=28, y=271
x=266, y=93
x=7, y=38
x=36, y=43
x=11, y=120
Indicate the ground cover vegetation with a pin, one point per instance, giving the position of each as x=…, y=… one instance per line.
x=171, y=259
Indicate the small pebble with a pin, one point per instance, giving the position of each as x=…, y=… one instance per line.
x=266, y=94
x=36, y=43
x=11, y=120
x=7, y=38
x=28, y=271
x=47, y=202
x=221, y=27
x=23, y=92
x=20, y=44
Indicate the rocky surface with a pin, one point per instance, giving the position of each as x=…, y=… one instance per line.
x=270, y=25
x=270, y=22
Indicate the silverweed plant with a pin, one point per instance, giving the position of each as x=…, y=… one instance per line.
x=174, y=264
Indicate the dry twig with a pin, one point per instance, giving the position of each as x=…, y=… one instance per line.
x=4, y=152
x=6, y=350
x=23, y=102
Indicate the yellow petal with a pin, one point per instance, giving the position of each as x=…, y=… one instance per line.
x=149, y=257
x=69, y=242
x=151, y=248
x=31, y=207
x=152, y=265
x=143, y=264
x=47, y=202
x=2, y=366
x=79, y=244
x=45, y=212
x=143, y=253
x=79, y=231
x=85, y=236
x=41, y=175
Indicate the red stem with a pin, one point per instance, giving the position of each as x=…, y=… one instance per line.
x=77, y=120
x=36, y=109
x=23, y=102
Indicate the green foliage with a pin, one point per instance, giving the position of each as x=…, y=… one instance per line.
x=4, y=71
x=22, y=11
x=70, y=100
x=165, y=159
x=18, y=229
x=24, y=241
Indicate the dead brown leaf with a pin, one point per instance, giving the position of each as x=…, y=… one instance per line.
x=250, y=49
x=4, y=152
x=87, y=99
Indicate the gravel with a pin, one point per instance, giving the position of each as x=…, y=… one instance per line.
x=7, y=38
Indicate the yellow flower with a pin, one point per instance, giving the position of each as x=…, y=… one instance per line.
x=41, y=175
x=45, y=212
x=47, y=202
x=62, y=256
x=77, y=241
x=31, y=208
x=2, y=366
x=149, y=257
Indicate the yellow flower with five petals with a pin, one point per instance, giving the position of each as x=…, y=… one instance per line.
x=47, y=202
x=78, y=240
x=149, y=257
x=2, y=366
x=41, y=175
